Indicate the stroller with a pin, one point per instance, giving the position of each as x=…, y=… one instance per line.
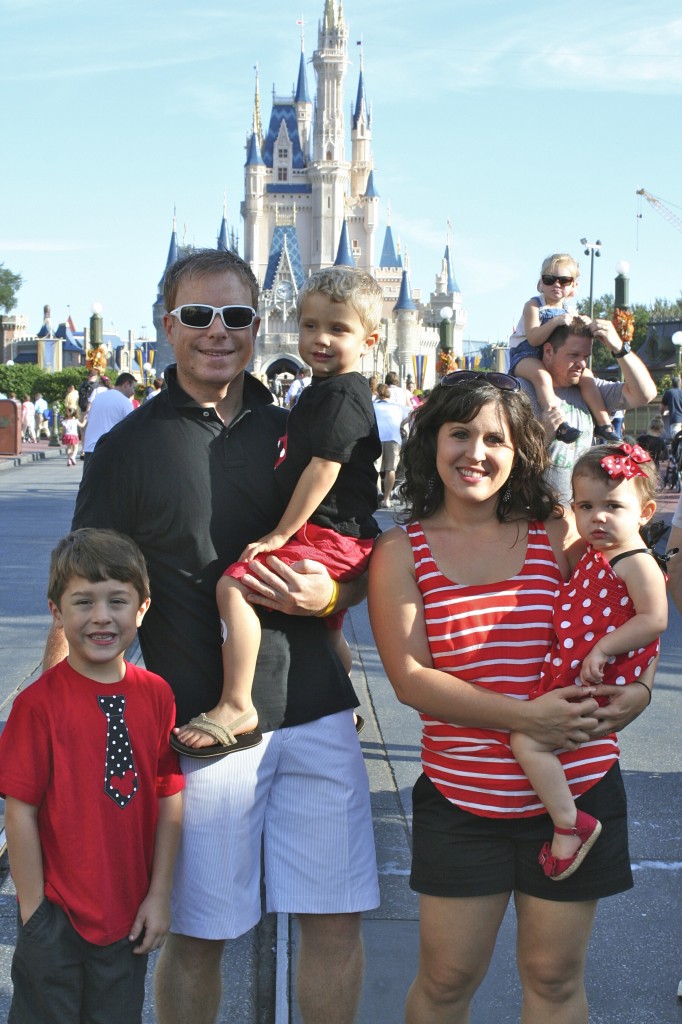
x=670, y=479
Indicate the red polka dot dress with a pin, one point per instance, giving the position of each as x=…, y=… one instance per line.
x=594, y=602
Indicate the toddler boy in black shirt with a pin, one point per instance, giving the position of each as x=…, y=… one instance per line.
x=326, y=471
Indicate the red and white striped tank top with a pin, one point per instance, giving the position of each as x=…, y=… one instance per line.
x=496, y=635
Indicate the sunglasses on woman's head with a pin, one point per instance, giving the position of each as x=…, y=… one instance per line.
x=199, y=316
x=555, y=279
x=471, y=378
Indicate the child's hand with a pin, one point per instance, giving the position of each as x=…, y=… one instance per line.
x=592, y=669
x=151, y=922
x=270, y=542
x=582, y=316
x=564, y=320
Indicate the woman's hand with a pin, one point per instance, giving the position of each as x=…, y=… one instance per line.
x=564, y=718
x=625, y=704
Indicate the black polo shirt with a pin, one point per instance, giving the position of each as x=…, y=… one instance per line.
x=192, y=493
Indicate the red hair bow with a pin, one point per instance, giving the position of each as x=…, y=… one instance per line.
x=626, y=463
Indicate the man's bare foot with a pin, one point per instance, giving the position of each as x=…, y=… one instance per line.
x=225, y=716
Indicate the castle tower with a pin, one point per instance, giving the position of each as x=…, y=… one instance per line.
x=223, y=243
x=329, y=170
x=304, y=107
x=447, y=293
x=254, y=189
x=164, y=352
x=361, y=140
x=407, y=327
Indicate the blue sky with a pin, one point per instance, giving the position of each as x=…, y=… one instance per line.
x=527, y=125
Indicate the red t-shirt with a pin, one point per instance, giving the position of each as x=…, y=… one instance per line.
x=97, y=850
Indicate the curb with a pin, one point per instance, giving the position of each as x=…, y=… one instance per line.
x=27, y=456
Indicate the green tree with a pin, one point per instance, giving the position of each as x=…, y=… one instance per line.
x=9, y=286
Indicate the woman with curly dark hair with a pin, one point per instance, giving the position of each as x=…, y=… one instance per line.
x=461, y=604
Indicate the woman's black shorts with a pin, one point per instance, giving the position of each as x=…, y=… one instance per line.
x=456, y=853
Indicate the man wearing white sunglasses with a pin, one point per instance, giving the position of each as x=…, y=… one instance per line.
x=190, y=478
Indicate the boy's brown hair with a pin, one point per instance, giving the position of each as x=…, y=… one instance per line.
x=97, y=555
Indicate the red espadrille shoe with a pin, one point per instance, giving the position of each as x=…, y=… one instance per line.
x=587, y=829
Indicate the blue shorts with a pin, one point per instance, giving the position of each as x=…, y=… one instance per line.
x=524, y=350
x=456, y=853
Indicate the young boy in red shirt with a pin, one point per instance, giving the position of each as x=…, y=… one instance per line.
x=93, y=798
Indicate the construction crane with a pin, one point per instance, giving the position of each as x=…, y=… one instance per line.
x=661, y=208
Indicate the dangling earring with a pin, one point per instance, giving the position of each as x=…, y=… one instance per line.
x=506, y=495
x=431, y=486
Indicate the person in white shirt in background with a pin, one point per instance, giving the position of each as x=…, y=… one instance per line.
x=107, y=409
x=390, y=417
x=399, y=395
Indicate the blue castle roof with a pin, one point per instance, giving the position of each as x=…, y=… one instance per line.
x=371, y=190
x=361, y=103
x=452, y=283
x=283, y=112
x=302, y=95
x=253, y=153
x=284, y=239
x=405, y=300
x=388, y=253
x=344, y=257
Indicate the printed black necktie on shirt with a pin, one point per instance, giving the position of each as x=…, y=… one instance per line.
x=120, y=777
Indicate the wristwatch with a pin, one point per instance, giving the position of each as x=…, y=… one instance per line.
x=623, y=351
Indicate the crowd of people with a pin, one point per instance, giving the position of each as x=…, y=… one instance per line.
x=515, y=535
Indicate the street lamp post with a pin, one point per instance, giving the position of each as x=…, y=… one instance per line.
x=622, y=286
x=592, y=249
x=623, y=319
x=96, y=325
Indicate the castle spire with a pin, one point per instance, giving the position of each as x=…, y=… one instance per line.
x=344, y=257
x=173, y=253
x=405, y=300
x=302, y=94
x=257, y=127
x=223, y=245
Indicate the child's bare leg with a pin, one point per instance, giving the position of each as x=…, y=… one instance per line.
x=242, y=635
x=595, y=403
x=546, y=775
x=534, y=372
x=342, y=648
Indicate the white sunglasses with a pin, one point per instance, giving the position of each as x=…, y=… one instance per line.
x=235, y=318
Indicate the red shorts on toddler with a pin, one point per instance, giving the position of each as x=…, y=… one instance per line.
x=345, y=558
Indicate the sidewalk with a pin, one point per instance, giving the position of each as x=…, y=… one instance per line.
x=31, y=452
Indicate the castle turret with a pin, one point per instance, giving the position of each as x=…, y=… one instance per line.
x=164, y=352
x=304, y=107
x=223, y=244
x=329, y=169
x=254, y=189
x=361, y=140
x=407, y=326
x=344, y=256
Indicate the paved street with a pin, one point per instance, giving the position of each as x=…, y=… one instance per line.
x=634, y=962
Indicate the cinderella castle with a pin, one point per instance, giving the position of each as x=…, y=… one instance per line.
x=307, y=206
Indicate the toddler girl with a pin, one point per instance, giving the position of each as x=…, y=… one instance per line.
x=70, y=425
x=541, y=316
x=607, y=620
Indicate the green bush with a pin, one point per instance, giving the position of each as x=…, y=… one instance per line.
x=28, y=378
